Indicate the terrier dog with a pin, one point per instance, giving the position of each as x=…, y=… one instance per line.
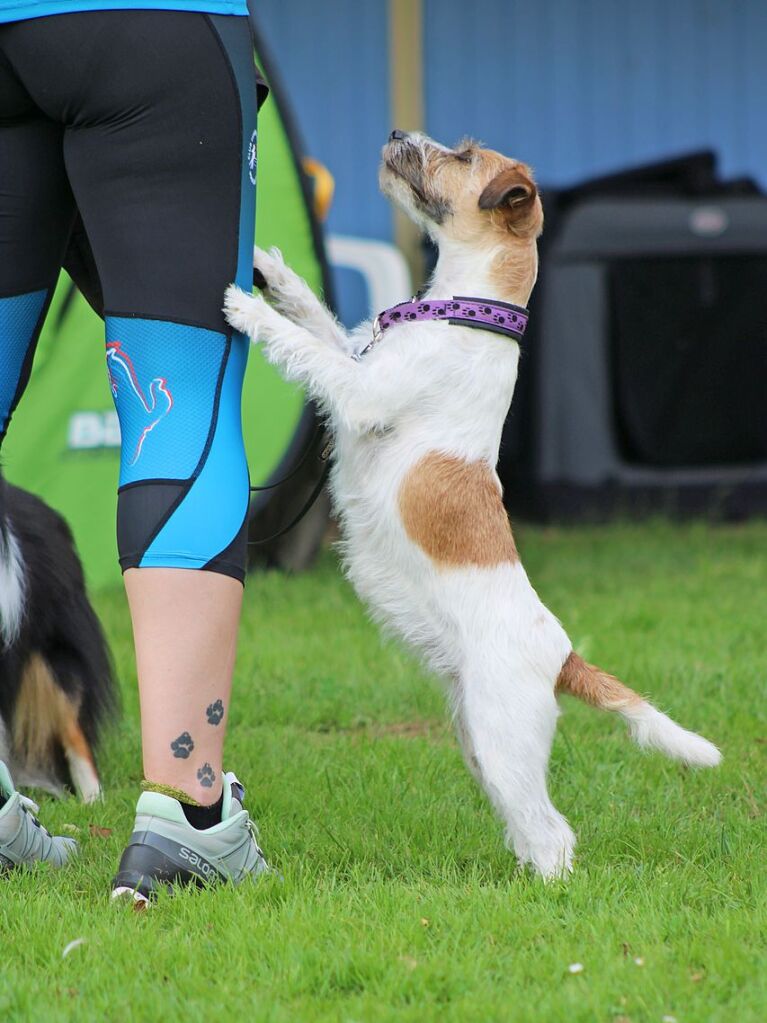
x=417, y=411
x=56, y=681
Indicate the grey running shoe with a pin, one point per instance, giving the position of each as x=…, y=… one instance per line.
x=165, y=850
x=23, y=839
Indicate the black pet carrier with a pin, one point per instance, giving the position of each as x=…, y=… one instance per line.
x=643, y=379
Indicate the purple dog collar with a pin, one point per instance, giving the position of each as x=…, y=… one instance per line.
x=498, y=317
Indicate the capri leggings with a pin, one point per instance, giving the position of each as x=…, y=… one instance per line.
x=145, y=122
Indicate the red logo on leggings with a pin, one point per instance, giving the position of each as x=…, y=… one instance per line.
x=160, y=402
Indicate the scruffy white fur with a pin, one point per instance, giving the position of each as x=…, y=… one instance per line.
x=12, y=587
x=429, y=387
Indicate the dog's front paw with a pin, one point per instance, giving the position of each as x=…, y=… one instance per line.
x=268, y=269
x=242, y=311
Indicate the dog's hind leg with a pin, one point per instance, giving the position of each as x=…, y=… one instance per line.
x=507, y=650
x=507, y=726
x=462, y=734
x=71, y=733
x=290, y=295
x=82, y=766
x=45, y=720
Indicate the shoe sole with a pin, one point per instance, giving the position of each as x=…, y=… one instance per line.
x=7, y=865
x=138, y=900
x=150, y=863
x=145, y=886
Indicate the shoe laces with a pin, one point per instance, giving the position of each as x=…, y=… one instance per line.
x=252, y=827
x=30, y=806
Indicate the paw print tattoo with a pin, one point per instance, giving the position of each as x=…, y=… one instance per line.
x=206, y=776
x=215, y=712
x=182, y=746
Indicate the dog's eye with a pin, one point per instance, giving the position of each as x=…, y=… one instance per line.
x=464, y=155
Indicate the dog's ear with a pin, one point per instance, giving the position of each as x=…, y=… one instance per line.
x=512, y=192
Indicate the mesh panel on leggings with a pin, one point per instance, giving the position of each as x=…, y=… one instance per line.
x=18, y=318
x=163, y=378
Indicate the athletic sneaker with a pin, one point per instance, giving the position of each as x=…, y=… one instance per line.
x=165, y=850
x=23, y=839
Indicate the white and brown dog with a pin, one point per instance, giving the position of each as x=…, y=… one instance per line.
x=417, y=421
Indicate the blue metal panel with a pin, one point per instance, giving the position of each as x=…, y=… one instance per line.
x=577, y=87
x=333, y=61
x=581, y=87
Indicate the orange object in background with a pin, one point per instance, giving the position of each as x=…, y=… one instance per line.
x=323, y=186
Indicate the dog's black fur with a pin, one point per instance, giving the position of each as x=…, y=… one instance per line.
x=58, y=624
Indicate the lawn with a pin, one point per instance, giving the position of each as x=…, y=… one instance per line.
x=398, y=900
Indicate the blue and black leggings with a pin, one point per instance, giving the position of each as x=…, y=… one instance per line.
x=145, y=123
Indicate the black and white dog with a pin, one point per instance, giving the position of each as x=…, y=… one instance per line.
x=56, y=680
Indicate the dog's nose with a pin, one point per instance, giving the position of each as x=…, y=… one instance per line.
x=397, y=135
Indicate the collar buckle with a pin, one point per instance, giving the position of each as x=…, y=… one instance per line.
x=377, y=335
x=377, y=329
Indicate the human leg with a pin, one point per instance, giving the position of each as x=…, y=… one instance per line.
x=36, y=211
x=205, y=610
x=162, y=161
x=36, y=214
x=158, y=161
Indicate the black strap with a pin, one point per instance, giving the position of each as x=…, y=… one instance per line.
x=309, y=447
x=294, y=522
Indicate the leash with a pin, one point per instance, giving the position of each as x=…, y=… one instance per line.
x=278, y=483
x=316, y=490
x=294, y=522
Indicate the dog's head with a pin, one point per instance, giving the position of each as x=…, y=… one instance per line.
x=468, y=194
x=481, y=208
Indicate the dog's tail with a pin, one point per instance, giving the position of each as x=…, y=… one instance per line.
x=649, y=728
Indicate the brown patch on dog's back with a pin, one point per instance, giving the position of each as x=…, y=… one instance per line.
x=594, y=686
x=453, y=510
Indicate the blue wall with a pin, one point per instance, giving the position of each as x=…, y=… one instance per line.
x=333, y=62
x=578, y=87
x=575, y=87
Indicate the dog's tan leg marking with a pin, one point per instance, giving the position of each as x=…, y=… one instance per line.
x=453, y=510
x=44, y=716
x=594, y=686
x=80, y=759
x=40, y=708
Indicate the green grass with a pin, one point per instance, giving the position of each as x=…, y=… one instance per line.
x=399, y=900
